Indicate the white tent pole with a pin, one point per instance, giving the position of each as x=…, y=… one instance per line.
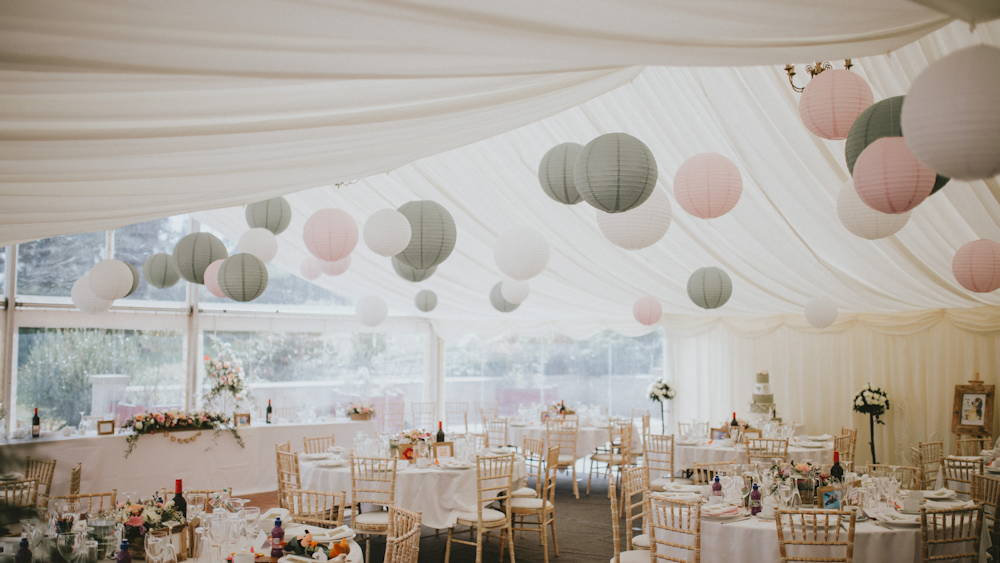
x=192, y=338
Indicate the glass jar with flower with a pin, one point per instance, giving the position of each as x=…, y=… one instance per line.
x=141, y=517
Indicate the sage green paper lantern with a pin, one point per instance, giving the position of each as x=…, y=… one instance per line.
x=195, y=252
x=243, y=277
x=709, y=287
x=615, y=172
x=411, y=274
x=555, y=173
x=160, y=271
x=135, y=279
x=433, y=234
x=498, y=302
x=881, y=119
x=272, y=214
x=426, y=300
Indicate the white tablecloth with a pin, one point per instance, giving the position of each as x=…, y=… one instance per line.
x=587, y=437
x=206, y=463
x=440, y=494
x=685, y=456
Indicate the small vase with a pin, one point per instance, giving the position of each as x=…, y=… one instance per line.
x=137, y=546
x=360, y=416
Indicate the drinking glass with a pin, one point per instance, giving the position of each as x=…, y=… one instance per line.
x=785, y=494
x=251, y=521
x=201, y=546
x=154, y=548
x=82, y=427
x=196, y=504
x=70, y=545
x=218, y=530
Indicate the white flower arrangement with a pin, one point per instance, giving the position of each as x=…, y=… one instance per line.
x=660, y=391
x=873, y=401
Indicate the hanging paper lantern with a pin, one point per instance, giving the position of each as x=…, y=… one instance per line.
x=336, y=268
x=555, y=173
x=160, y=271
x=515, y=291
x=647, y=310
x=387, y=232
x=426, y=300
x=888, y=178
x=84, y=298
x=195, y=252
x=272, y=214
x=212, y=278
x=951, y=115
x=977, y=266
x=310, y=268
x=521, y=252
x=641, y=227
x=709, y=288
x=498, y=302
x=708, y=185
x=433, y=234
x=881, y=119
x=242, y=277
x=330, y=234
x=821, y=312
x=411, y=274
x=832, y=101
x=110, y=279
x=259, y=242
x=615, y=172
x=371, y=310
x=135, y=279
x=864, y=221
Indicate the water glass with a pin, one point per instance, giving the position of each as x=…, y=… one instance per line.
x=251, y=520
x=70, y=545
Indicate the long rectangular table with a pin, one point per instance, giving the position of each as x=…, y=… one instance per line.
x=209, y=462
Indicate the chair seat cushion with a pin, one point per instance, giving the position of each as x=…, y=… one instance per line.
x=641, y=541
x=634, y=556
x=525, y=492
x=602, y=457
x=567, y=459
x=663, y=481
x=528, y=503
x=490, y=517
x=380, y=518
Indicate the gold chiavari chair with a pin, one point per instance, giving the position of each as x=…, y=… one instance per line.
x=659, y=458
x=392, y=417
x=457, y=414
x=635, y=482
x=423, y=415
x=563, y=433
x=958, y=470
x=972, y=446
x=667, y=517
x=488, y=413
x=853, y=432
x=91, y=503
x=916, y=460
x=373, y=481
x=288, y=474
x=20, y=494
x=534, y=460
x=496, y=432
x=42, y=471
x=845, y=445
x=986, y=491
x=931, y=454
x=684, y=428
x=951, y=526
x=316, y=508
x=704, y=473
x=286, y=413
x=318, y=445
x=629, y=556
x=493, y=477
x=909, y=477
x=619, y=457
x=544, y=508
x=489, y=406
x=403, y=541
x=766, y=450
x=809, y=529
x=75, y=476
x=478, y=441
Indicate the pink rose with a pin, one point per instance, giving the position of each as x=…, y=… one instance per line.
x=159, y=418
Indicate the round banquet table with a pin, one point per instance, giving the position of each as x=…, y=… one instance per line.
x=587, y=437
x=686, y=455
x=440, y=494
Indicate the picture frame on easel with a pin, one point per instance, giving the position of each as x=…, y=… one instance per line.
x=972, y=414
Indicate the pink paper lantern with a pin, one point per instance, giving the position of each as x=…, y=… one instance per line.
x=977, y=266
x=832, y=101
x=212, y=279
x=708, y=185
x=310, y=268
x=337, y=267
x=888, y=178
x=647, y=310
x=330, y=234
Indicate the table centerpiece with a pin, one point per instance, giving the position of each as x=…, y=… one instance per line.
x=360, y=411
x=177, y=421
x=413, y=443
x=873, y=401
x=225, y=373
x=661, y=392
x=804, y=477
x=143, y=517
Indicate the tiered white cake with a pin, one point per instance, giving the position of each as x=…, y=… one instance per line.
x=763, y=400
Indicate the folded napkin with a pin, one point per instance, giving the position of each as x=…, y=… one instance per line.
x=678, y=487
x=823, y=438
x=941, y=493
x=935, y=505
x=686, y=497
x=721, y=510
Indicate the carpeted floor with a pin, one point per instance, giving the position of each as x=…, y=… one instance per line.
x=583, y=527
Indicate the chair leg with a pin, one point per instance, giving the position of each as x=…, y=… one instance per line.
x=555, y=539
x=368, y=549
x=576, y=486
x=479, y=546
x=510, y=541
x=447, y=547
x=503, y=531
x=545, y=539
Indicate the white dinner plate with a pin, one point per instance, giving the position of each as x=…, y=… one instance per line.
x=315, y=456
x=992, y=469
x=939, y=494
x=738, y=515
x=331, y=463
x=810, y=445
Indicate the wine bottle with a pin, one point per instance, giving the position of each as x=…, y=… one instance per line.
x=837, y=472
x=440, y=434
x=179, y=503
x=734, y=423
x=562, y=407
x=36, y=425
x=269, y=411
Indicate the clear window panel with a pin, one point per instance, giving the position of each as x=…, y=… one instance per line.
x=3, y=269
x=70, y=373
x=284, y=288
x=48, y=267
x=135, y=243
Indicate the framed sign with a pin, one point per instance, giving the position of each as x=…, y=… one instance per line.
x=442, y=449
x=407, y=452
x=973, y=410
x=241, y=419
x=720, y=433
x=105, y=427
x=829, y=497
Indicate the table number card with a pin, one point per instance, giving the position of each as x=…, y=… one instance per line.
x=443, y=449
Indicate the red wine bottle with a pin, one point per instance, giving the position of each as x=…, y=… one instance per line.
x=269, y=411
x=440, y=434
x=36, y=425
x=837, y=472
x=734, y=423
x=179, y=503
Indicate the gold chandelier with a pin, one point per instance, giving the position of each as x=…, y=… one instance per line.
x=814, y=70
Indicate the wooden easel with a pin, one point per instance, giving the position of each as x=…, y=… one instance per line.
x=961, y=431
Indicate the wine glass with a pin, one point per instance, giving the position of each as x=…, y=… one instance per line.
x=154, y=548
x=82, y=427
x=196, y=504
x=218, y=529
x=251, y=520
x=785, y=494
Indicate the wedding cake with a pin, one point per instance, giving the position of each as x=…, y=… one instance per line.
x=763, y=400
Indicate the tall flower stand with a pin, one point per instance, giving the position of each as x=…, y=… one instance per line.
x=871, y=442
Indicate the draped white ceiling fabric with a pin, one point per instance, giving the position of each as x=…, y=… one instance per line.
x=782, y=244
x=115, y=112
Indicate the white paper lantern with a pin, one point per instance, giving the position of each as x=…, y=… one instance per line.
x=110, y=279
x=426, y=300
x=521, y=252
x=821, y=312
x=615, y=172
x=84, y=298
x=212, y=278
x=864, y=221
x=160, y=271
x=709, y=288
x=555, y=173
x=310, y=268
x=515, y=291
x=371, y=310
x=498, y=302
x=242, y=277
x=387, y=232
x=951, y=116
x=647, y=310
x=639, y=227
x=433, y=234
x=336, y=268
x=195, y=252
x=272, y=214
x=135, y=279
x=261, y=243
x=330, y=234
x=411, y=274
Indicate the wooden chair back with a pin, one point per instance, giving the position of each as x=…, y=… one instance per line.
x=424, y=415
x=658, y=454
x=316, y=508
x=534, y=460
x=562, y=433
x=704, y=473
x=457, y=414
x=931, y=454
x=318, y=445
x=373, y=481
x=20, y=494
x=403, y=541
x=813, y=528
x=684, y=428
x=496, y=432
x=288, y=474
x=916, y=460
x=666, y=517
x=478, y=441
x=616, y=532
x=986, y=490
x=751, y=434
x=392, y=417
x=951, y=526
x=75, y=475
x=960, y=470
x=635, y=482
x=287, y=413
x=765, y=449
x=91, y=503
x=909, y=476
x=42, y=471
x=621, y=455
x=853, y=432
x=845, y=445
x=494, y=479
x=972, y=446
x=487, y=413
x=547, y=490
